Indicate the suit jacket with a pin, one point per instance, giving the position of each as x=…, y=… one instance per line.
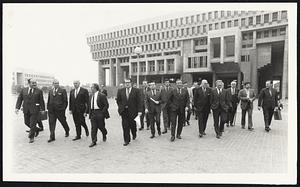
x=165, y=96
x=102, y=103
x=179, y=101
x=201, y=100
x=32, y=103
x=104, y=92
x=244, y=100
x=80, y=103
x=59, y=101
x=266, y=100
x=234, y=98
x=221, y=99
x=133, y=103
x=150, y=105
x=143, y=92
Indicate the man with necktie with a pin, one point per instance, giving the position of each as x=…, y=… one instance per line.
x=144, y=89
x=78, y=107
x=234, y=99
x=56, y=105
x=247, y=96
x=202, y=105
x=98, y=112
x=153, y=108
x=268, y=100
x=165, y=94
x=129, y=107
x=189, y=112
x=179, y=103
x=33, y=102
x=219, y=104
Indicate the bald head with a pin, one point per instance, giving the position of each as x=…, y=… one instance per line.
x=76, y=84
x=204, y=83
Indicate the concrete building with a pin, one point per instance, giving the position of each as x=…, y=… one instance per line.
x=228, y=45
x=20, y=76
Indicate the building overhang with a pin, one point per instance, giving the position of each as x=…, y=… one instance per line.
x=227, y=67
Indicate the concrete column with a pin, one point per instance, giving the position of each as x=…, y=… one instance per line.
x=165, y=66
x=101, y=77
x=222, y=50
x=111, y=72
x=119, y=72
x=239, y=80
x=147, y=67
x=254, y=39
x=285, y=77
x=208, y=51
x=138, y=73
x=156, y=66
x=214, y=80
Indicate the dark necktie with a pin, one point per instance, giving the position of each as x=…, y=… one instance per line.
x=93, y=102
x=30, y=91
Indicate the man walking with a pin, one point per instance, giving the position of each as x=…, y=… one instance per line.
x=189, y=112
x=268, y=100
x=98, y=111
x=247, y=96
x=153, y=108
x=202, y=105
x=56, y=105
x=145, y=88
x=129, y=107
x=33, y=102
x=78, y=107
x=219, y=104
x=179, y=103
x=165, y=96
x=234, y=99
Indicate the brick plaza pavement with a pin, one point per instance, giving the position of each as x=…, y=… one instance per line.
x=238, y=150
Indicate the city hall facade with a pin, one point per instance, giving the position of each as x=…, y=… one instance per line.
x=228, y=45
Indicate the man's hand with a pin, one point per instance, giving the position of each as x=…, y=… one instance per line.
x=85, y=114
x=157, y=102
x=259, y=108
x=146, y=110
x=17, y=111
x=70, y=112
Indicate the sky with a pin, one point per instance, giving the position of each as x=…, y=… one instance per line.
x=51, y=38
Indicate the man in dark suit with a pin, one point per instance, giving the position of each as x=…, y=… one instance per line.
x=98, y=112
x=129, y=107
x=33, y=103
x=145, y=88
x=202, y=105
x=247, y=96
x=165, y=95
x=56, y=105
x=220, y=104
x=153, y=108
x=268, y=100
x=234, y=99
x=189, y=112
x=78, y=103
x=179, y=103
x=103, y=90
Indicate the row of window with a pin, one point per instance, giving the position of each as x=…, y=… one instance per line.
x=197, y=62
x=39, y=76
x=152, y=68
x=183, y=21
x=130, y=50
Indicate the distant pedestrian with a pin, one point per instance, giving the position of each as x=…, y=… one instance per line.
x=103, y=90
x=98, y=112
x=166, y=93
x=247, y=96
x=268, y=100
x=129, y=107
x=56, y=105
x=32, y=100
x=78, y=108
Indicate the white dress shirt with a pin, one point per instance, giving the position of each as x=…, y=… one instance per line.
x=76, y=91
x=95, y=101
x=248, y=93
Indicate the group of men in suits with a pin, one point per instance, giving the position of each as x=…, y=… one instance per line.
x=150, y=101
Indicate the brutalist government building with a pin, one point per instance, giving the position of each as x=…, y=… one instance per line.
x=228, y=45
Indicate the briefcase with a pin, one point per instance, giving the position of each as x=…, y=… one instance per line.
x=277, y=115
x=43, y=115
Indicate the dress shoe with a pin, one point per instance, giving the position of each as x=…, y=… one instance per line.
x=28, y=131
x=76, y=138
x=218, y=136
x=250, y=129
x=164, y=132
x=87, y=133
x=178, y=137
x=134, y=137
x=172, y=138
x=104, y=138
x=148, y=128
x=37, y=133
x=243, y=127
x=188, y=123
x=126, y=143
x=67, y=134
x=92, y=144
x=231, y=124
x=141, y=128
x=204, y=133
x=159, y=133
x=152, y=136
x=31, y=140
x=200, y=135
x=50, y=140
x=227, y=125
